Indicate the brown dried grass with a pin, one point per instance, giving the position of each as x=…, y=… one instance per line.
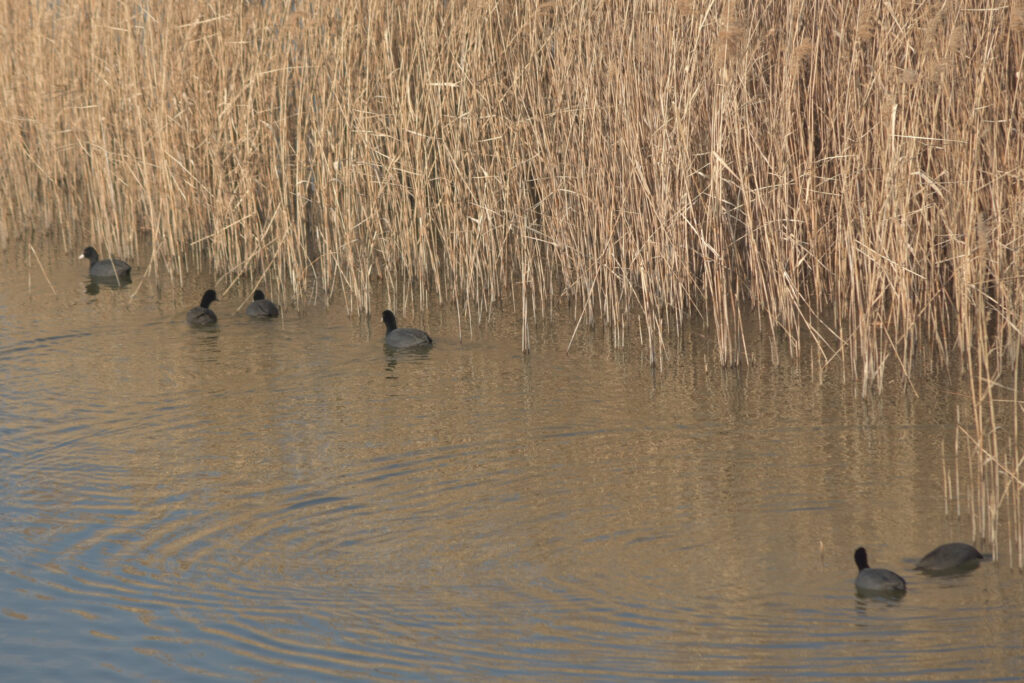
x=851, y=172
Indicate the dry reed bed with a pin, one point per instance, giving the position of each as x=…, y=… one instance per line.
x=991, y=442
x=852, y=171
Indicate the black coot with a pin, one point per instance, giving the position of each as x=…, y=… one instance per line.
x=111, y=268
x=951, y=557
x=201, y=315
x=403, y=337
x=261, y=306
x=876, y=580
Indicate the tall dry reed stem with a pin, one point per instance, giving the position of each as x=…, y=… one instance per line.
x=990, y=441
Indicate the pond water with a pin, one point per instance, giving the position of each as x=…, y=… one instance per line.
x=288, y=500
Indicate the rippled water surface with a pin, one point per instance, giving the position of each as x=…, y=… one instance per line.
x=288, y=500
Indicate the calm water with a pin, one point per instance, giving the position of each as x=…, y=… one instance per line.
x=287, y=500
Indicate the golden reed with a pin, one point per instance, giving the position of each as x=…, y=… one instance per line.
x=849, y=171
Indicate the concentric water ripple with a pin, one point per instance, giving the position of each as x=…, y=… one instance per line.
x=291, y=501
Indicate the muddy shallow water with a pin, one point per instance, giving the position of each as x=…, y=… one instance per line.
x=289, y=500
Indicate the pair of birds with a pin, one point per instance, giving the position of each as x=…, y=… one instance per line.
x=202, y=316
x=946, y=559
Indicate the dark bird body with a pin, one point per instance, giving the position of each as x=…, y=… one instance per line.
x=403, y=337
x=201, y=315
x=951, y=557
x=876, y=580
x=261, y=306
x=110, y=269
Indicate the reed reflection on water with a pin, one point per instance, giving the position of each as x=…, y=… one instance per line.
x=289, y=499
